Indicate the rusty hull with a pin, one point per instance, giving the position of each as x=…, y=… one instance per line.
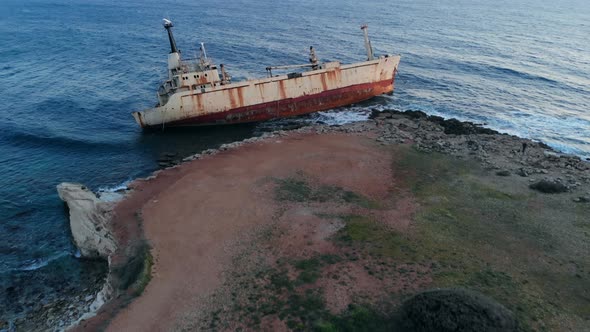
x=275, y=97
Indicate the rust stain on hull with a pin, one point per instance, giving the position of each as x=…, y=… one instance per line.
x=291, y=107
x=240, y=96
x=282, y=93
x=323, y=80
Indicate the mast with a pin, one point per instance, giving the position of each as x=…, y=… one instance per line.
x=168, y=26
x=174, y=55
x=367, y=42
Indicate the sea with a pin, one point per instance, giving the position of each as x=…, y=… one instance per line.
x=71, y=71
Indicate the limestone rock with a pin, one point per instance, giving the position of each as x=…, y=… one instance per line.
x=89, y=220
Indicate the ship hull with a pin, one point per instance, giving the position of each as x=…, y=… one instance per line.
x=290, y=107
x=279, y=97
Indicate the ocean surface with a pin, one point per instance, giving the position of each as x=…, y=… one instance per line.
x=71, y=71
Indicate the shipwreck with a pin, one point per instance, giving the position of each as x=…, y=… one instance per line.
x=197, y=92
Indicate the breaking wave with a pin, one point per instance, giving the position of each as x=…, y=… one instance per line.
x=115, y=188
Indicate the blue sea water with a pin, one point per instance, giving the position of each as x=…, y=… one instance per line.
x=71, y=71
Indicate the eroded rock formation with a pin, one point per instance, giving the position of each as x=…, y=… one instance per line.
x=89, y=220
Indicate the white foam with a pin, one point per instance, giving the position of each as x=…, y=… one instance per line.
x=116, y=188
x=340, y=116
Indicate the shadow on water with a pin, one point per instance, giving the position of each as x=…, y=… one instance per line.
x=185, y=141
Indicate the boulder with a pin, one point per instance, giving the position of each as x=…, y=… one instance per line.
x=503, y=173
x=89, y=220
x=549, y=187
x=446, y=310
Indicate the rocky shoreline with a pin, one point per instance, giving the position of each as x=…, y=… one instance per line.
x=507, y=154
x=31, y=310
x=504, y=154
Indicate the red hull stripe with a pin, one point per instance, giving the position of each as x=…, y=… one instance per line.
x=290, y=107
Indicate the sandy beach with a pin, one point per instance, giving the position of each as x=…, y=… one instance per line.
x=305, y=229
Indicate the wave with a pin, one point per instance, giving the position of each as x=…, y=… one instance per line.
x=38, y=263
x=112, y=189
x=520, y=74
x=47, y=140
x=113, y=194
x=422, y=81
x=483, y=68
x=10, y=213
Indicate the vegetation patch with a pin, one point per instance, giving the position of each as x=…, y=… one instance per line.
x=309, y=270
x=296, y=300
x=135, y=273
x=298, y=190
x=145, y=275
x=469, y=224
x=360, y=200
x=292, y=190
x=374, y=238
x=357, y=318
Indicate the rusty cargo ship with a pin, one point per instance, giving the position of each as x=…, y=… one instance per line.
x=197, y=92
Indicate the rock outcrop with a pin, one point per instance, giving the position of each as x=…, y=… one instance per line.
x=89, y=220
x=455, y=310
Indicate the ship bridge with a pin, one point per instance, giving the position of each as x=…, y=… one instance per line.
x=189, y=74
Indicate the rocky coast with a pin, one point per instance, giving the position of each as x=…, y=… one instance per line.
x=327, y=226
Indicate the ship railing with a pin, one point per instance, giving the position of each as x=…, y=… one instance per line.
x=269, y=69
x=195, y=65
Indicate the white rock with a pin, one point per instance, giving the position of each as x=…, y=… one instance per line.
x=551, y=154
x=89, y=220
